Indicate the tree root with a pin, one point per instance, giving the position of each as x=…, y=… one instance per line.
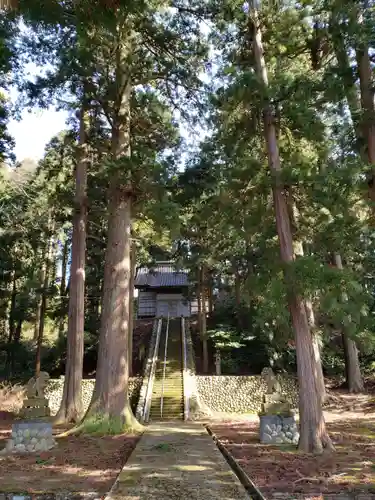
x=100, y=424
x=302, y=478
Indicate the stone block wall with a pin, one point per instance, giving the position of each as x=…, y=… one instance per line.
x=54, y=392
x=240, y=394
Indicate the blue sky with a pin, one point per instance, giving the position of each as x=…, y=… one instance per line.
x=34, y=131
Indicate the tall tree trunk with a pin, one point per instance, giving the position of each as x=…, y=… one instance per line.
x=110, y=409
x=210, y=294
x=354, y=379
x=368, y=112
x=204, y=319
x=299, y=251
x=348, y=79
x=39, y=295
x=313, y=433
x=199, y=301
x=43, y=305
x=237, y=288
x=71, y=409
x=63, y=288
x=39, y=342
x=12, y=309
x=133, y=266
x=11, y=326
x=16, y=340
x=316, y=341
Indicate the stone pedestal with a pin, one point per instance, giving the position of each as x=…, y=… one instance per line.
x=275, y=404
x=278, y=429
x=34, y=436
x=35, y=407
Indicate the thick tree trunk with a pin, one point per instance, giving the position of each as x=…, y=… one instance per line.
x=299, y=251
x=110, y=400
x=354, y=379
x=133, y=266
x=368, y=111
x=71, y=409
x=348, y=79
x=110, y=410
x=313, y=432
x=316, y=341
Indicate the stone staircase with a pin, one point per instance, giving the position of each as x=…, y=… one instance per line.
x=171, y=392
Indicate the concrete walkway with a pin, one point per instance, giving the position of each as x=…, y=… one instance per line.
x=177, y=460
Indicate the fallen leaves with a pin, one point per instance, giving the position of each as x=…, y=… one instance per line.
x=285, y=470
x=78, y=464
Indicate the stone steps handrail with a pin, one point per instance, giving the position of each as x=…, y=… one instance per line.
x=147, y=370
x=147, y=407
x=185, y=373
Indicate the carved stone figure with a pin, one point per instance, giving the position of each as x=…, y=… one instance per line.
x=36, y=385
x=273, y=385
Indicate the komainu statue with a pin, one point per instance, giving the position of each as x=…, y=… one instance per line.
x=273, y=385
x=36, y=386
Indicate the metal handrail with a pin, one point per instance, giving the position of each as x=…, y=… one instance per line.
x=147, y=406
x=165, y=365
x=185, y=374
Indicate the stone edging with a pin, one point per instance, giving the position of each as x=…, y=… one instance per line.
x=51, y=496
x=252, y=490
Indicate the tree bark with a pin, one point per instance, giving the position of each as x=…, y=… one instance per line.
x=316, y=341
x=199, y=301
x=368, y=111
x=11, y=325
x=299, y=251
x=133, y=266
x=313, y=433
x=63, y=288
x=71, y=408
x=39, y=297
x=43, y=304
x=210, y=294
x=110, y=410
x=204, y=319
x=354, y=379
x=348, y=79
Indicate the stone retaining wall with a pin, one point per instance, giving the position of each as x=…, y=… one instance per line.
x=240, y=394
x=54, y=392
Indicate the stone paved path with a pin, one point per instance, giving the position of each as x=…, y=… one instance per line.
x=336, y=496
x=177, y=460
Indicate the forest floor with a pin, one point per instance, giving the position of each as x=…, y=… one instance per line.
x=284, y=473
x=79, y=464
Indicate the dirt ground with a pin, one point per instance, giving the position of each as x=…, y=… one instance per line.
x=79, y=464
x=349, y=470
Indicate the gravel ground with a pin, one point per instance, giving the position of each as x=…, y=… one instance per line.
x=176, y=460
